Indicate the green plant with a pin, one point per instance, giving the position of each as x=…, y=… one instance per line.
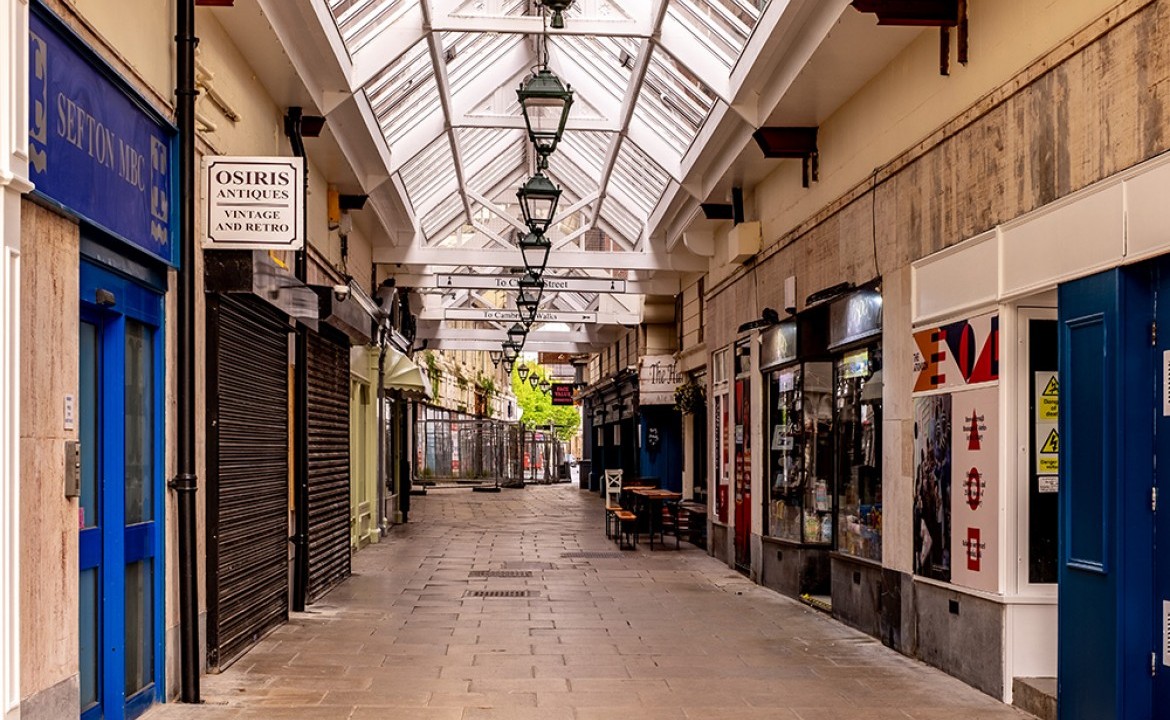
x=689, y=397
x=434, y=372
x=486, y=384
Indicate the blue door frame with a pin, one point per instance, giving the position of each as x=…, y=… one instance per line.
x=113, y=545
x=1108, y=404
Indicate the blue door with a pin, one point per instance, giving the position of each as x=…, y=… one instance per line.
x=120, y=427
x=1109, y=399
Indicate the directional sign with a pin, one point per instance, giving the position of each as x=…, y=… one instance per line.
x=551, y=283
x=558, y=316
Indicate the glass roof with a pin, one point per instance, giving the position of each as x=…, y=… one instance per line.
x=446, y=105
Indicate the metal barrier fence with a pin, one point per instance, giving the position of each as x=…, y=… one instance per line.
x=474, y=449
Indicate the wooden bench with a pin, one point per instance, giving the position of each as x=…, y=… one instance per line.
x=627, y=529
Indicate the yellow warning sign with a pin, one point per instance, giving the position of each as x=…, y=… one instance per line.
x=1048, y=402
x=1053, y=388
x=1049, y=465
x=1051, y=444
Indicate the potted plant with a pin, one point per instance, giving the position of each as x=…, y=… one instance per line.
x=689, y=397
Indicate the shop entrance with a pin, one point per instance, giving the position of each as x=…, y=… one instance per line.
x=1114, y=570
x=118, y=418
x=743, y=456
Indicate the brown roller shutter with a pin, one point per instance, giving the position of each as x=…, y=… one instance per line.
x=248, y=474
x=328, y=432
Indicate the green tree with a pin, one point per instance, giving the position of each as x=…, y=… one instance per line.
x=538, y=409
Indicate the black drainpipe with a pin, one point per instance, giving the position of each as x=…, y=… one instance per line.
x=292, y=128
x=186, y=483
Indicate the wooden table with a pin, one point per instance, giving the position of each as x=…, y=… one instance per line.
x=650, y=501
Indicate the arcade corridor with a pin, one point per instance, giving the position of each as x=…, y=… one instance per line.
x=637, y=635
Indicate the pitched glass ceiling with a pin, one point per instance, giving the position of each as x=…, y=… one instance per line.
x=443, y=96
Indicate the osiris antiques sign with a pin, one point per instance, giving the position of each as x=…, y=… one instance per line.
x=254, y=203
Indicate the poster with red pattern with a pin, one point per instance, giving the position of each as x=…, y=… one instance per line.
x=975, y=490
x=957, y=354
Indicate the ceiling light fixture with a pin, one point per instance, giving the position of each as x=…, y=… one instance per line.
x=538, y=202
x=534, y=248
x=545, y=102
x=558, y=7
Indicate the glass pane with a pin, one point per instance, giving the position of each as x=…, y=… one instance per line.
x=88, y=426
x=89, y=611
x=817, y=518
x=785, y=454
x=139, y=422
x=139, y=626
x=859, y=394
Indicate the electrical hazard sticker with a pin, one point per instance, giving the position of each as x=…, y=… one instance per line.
x=1048, y=404
x=1049, y=461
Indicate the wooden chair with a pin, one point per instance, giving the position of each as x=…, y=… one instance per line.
x=613, y=501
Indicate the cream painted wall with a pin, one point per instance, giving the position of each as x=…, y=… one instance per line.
x=908, y=100
x=50, y=319
x=13, y=182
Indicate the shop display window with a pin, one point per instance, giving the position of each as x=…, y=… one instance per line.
x=858, y=391
x=800, y=453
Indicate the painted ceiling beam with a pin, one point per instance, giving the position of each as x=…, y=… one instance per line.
x=637, y=78
x=452, y=257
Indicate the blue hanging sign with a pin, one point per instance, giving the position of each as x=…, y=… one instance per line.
x=94, y=148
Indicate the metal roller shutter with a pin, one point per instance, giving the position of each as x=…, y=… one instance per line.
x=328, y=458
x=248, y=475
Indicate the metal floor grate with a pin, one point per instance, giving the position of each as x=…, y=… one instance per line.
x=593, y=555
x=500, y=573
x=501, y=594
x=528, y=565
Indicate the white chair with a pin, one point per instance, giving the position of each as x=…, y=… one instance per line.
x=613, y=499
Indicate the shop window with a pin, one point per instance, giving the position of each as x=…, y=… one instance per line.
x=800, y=453
x=859, y=443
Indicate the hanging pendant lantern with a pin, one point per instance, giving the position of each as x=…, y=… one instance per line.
x=496, y=356
x=545, y=386
x=558, y=7
x=533, y=380
x=522, y=372
x=531, y=287
x=545, y=102
x=528, y=311
x=538, y=202
x=511, y=351
x=534, y=248
x=517, y=333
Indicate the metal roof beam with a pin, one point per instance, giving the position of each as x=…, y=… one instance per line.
x=637, y=80
x=453, y=257
x=435, y=45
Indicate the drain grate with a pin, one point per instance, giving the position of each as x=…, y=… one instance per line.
x=527, y=565
x=501, y=594
x=500, y=573
x=593, y=555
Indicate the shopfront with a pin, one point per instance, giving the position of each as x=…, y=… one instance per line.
x=720, y=463
x=855, y=327
x=107, y=165
x=798, y=470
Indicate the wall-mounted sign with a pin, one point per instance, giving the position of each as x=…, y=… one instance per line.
x=855, y=317
x=957, y=354
x=253, y=203
x=502, y=315
x=552, y=283
x=657, y=379
x=975, y=489
x=95, y=148
x=778, y=345
x=1045, y=433
x=562, y=393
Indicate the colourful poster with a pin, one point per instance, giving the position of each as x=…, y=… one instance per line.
x=957, y=354
x=975, y=488
x=932, y=486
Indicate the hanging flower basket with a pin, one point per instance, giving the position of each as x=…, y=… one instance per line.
x=689, y=397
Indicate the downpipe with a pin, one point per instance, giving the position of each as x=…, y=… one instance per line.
x=292, y=129
x=186, y=483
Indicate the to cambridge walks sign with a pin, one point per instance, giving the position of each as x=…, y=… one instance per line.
x=254, y=203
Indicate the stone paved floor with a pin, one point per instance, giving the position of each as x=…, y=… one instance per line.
x=644, y=635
